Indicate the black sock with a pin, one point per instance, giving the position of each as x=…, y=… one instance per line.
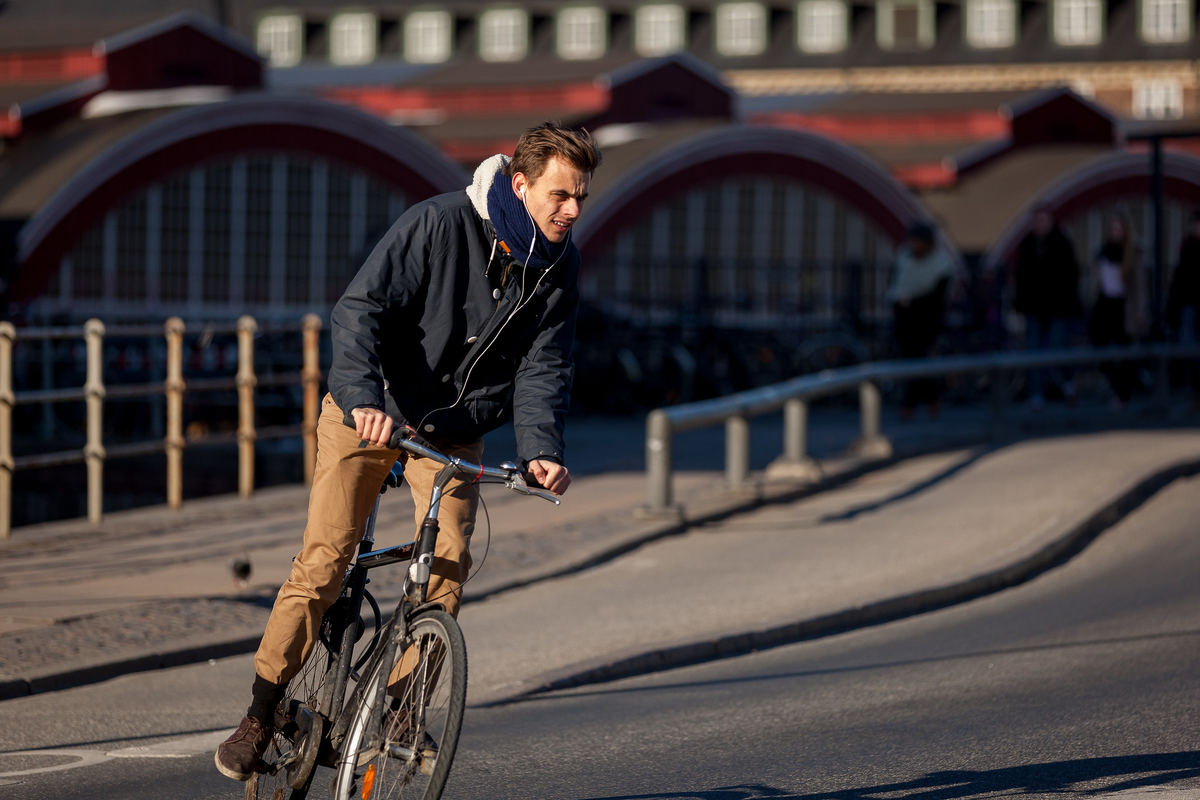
x=266, y=696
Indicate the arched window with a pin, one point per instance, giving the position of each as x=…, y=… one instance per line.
x=268, y=234
x=745, y=252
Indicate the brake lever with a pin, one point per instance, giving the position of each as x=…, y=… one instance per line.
x=517, y=482
x=521, y=488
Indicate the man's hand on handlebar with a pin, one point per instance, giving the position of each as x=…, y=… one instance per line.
x=372, y=425
x=550, y=475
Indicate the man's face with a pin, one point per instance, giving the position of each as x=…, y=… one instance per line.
x=555, y=199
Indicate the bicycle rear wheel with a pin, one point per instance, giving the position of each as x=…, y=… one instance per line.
x=295, y=718
x=403, y=751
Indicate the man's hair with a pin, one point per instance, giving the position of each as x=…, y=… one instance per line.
x=539, y=144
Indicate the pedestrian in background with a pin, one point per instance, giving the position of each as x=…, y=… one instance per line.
x=1117, y=312
x=918, y=295
x=1047, y=294
x=1183, y=300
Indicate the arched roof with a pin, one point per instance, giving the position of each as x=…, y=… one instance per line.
x=1117, y=174
x=735, y=150
x=246, y=124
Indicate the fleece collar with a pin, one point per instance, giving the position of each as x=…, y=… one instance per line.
x=494, y=200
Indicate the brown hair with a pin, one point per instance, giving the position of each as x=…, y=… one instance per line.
x=539, y=144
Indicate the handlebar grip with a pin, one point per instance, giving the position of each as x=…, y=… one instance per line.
x=398, y=435
x=527, y=476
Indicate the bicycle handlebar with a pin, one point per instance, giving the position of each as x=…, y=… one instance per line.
x=402, y=439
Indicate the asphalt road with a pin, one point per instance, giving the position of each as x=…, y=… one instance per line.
x=1082, y=682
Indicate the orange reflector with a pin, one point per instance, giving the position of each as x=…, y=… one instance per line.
x=368, y=782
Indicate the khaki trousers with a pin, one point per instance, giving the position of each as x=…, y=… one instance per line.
x=345, y=484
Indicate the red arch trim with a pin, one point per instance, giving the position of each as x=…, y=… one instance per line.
x=758, y=165
x=1120, y=174
x=752, y=151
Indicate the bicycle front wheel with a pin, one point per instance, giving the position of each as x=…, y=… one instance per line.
x=403, y=751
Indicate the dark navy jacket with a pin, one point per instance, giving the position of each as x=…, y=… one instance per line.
x=420, y=333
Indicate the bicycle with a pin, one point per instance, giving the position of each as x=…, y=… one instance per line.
x=389, y=738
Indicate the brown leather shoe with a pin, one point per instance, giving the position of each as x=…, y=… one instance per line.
x=238, y=755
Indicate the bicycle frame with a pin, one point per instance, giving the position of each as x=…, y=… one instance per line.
x=335, y=708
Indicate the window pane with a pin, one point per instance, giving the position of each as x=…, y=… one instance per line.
x=503, y=34
x=352, y=39
x=217, y=186
x=991, y=23
x=1077, y=22
x=427, y=38
x=658, y=30
x=258, y=231
x=821, y=26
x=1165, y=21
x=173, y=280
x=280, y=39
x=1160, y=98
x=131, y=250
x=741, y=29
x=581, y=33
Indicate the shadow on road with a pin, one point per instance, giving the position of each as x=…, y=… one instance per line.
x=550, y=697
x=913, y=490
x=1088, y=776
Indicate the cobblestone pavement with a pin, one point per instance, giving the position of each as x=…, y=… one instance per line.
x=113, y=635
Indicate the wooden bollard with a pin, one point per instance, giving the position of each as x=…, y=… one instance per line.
x=246, y=381
x=174, y=387
x=93, y=452
x=310, y=377
x=8, y=335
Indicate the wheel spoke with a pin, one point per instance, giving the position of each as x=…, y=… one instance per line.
x=419, y=726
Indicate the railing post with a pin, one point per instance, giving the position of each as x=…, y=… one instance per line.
x=310, y=376
x=737, y=451
x=871, y=441
x=93, y=452
x=8, y=335
x=174, y=388
x=246, y=382
x=794, y=464
x=658, y=469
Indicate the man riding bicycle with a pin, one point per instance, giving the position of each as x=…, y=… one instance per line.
x=461, y=318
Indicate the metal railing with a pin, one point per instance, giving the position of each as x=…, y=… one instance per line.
x=794, y=395
x=94, y=393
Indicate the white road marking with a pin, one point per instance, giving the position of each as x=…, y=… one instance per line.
x=86, y=759
x=183, y=747
x=177, y=747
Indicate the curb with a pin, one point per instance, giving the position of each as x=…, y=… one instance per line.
x=22, y=687
x=1050, y=555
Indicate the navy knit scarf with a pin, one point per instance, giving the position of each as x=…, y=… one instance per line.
x=515, y=228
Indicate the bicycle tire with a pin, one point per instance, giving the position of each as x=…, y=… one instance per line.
x=303, y=692
x=378, y=755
